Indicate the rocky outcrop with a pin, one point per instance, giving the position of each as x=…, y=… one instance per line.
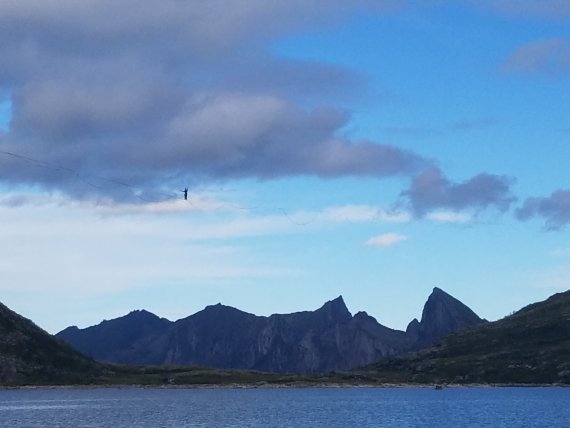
x=528, y=347
x=442, y=314
x=326, y=339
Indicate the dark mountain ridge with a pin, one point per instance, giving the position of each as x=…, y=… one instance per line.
x=326, y=339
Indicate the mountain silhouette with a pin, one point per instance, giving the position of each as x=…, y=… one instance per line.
x=326, y=339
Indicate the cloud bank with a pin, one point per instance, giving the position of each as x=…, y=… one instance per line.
x=431, y=190
x=118, y=98
x=555, y=209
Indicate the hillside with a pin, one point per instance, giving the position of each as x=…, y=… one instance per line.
x=29, y=355
x=531, y=346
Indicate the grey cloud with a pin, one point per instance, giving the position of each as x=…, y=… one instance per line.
x=431, y=190
x=555, y=209
x=113, y=96
x=294, y=78
x=160, y=27
x=265, y=136
x=550, y=56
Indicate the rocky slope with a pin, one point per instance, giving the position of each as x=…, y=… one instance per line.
x=326, y=339
x=531, y=346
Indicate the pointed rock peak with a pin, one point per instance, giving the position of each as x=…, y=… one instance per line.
x=141, y=314
x=336, y=310
x=413, y=326
x=220, y=310
x=443, y=314
x=438, y=292
x=440, y=297
x=218, y=307
x=363, y=316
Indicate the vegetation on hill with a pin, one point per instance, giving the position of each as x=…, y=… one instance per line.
x=30, y=355
x=531, y=346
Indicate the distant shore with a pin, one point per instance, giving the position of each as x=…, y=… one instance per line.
x=294, y=385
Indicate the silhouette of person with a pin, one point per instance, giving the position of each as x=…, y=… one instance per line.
x=185, y=191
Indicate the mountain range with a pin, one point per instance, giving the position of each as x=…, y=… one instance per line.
x=319, y=341
x=530, y=346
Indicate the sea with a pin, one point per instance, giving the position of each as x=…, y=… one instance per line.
x=285, y=407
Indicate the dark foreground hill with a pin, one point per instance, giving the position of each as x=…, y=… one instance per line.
x=319, y=341
x=30, y=355
x=531, y=346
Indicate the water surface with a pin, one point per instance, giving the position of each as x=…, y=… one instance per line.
x=285, y=407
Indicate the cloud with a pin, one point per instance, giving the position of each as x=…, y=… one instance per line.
x=385, y=240
x=160, y=93
x=257, y=135
x=363, y=213
x=555, y=209
x=431, y=190
x=118, y=253
x=449, y=217
x=550, y=56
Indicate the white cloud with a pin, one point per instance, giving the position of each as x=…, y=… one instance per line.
x=449, y=217
x=72, y=248
x=385, y=240
x=54, y=244
x=195, y=203
x=363, y=213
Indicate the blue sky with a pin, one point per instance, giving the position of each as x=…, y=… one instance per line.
x=373, y=149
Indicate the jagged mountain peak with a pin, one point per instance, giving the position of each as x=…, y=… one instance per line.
x=438, y=291
x=413, y=326
x=361, y=314
x=440, y=300
x=442, y=314
x=335, y=310
x=327, y=338
x=142, y=314
x=220, y=308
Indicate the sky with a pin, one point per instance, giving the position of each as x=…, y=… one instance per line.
x=372, y=149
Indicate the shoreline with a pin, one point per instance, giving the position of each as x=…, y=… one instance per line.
x=283, y=386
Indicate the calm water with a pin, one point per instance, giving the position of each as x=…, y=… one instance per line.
x=346, y=407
